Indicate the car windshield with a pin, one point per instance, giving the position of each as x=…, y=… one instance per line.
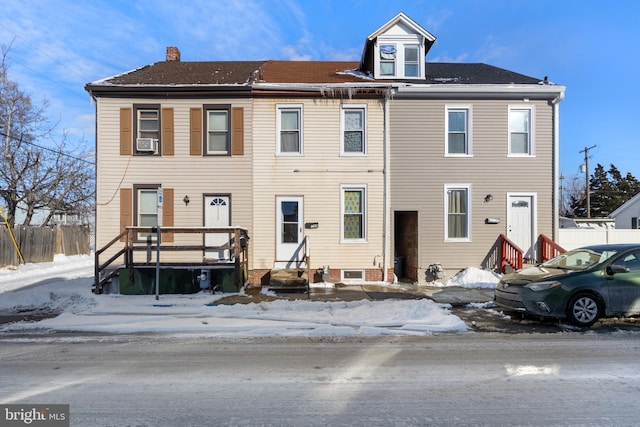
x=579, y=259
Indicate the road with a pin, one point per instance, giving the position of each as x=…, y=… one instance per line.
x=566, y=379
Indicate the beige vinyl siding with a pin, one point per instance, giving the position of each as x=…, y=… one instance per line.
x=420, y=170
x=183, y=173
x=320, y=172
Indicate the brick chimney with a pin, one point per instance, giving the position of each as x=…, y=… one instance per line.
x=173, y=54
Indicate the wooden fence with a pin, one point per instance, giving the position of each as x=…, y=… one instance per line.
x=40, y=244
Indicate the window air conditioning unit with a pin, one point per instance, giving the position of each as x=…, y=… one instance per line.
x=147, y=144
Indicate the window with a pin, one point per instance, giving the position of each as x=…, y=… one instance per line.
x=353, y=213
x=218, y=137
x=352, y=276
x=457, y=213
x=399, y=57
x=289, y=124
x=387, y=60
x=411, y=63
x=147, y=209
x=353, y=129
x=147, y=132
x=458, y=131
x=520, y=138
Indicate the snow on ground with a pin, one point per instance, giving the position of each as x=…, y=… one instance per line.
x=64, y=286
x=472, y=278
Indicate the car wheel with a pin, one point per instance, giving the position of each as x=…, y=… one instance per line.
x=583, y=310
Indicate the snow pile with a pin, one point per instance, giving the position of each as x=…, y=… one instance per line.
x=472, y=277
x=64, y=286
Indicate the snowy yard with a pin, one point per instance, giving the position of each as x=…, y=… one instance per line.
x=64, y=286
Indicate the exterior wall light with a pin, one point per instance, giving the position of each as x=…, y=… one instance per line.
x=488, y=198
x=186, y=200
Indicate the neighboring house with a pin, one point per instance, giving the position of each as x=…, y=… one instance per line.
x=319, y=171
x=350, y=170
x=174, y=148
x=59, y=217
x=627, y=216
x=473, y=155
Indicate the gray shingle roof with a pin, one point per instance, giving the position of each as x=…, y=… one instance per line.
x=244, y=73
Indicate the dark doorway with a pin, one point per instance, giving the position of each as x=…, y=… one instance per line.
x=406, y=245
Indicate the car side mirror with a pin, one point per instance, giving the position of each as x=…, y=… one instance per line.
x=616, y=268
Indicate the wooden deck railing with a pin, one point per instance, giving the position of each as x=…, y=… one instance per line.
x=511, y=254
x=194, y=254
x=549, y=249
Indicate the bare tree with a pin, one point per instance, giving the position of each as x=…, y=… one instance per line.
x=36, y=171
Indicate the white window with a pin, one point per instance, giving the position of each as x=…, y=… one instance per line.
x=388, y=56
x=520, y=131
x=289, y=129
x=147, y=212
x=352, y=276
x=353, y=123
x=353, y=213
x=457, y=213
x=411, y=61
x=399, y=57
x=217, y=131
x=458, y=137
x=147, y=129
x=148, y=123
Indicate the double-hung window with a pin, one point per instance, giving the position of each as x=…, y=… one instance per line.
x=353, y=213
x=520, y=131
x=147, y=208
x=147, y=131
x=388, y=56
x=218, y=135
x=353, y=123
x=458, y=119
x=411, y=62
x=289, y=129
x=457, y=212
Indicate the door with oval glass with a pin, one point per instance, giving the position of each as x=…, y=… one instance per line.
x=521, y=222
x=217, y=214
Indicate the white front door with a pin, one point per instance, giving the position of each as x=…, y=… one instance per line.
x=521, y=224
x=289, y=231
x=217, y=214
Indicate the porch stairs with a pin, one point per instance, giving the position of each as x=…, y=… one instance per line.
x=289, y=280
x=512, y=257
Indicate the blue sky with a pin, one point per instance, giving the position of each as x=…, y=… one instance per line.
x=591, y=47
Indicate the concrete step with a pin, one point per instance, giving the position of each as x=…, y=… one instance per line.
x=289, y=280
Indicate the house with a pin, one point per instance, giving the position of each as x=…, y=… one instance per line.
x=626, y=216
x=473, y=156
x=173, y=147
x=343, y=171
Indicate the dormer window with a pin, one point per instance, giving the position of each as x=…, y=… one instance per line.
x=388, y=60
x=397, y=50
x=400, y=58
x=411, y=62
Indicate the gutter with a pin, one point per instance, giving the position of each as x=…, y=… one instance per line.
x=385, y=191
x=442, y=91
x=555, y=102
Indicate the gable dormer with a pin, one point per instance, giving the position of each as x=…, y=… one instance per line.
x=397, y=50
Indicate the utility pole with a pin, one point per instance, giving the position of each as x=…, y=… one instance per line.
x=562, y=178
x=586, y=177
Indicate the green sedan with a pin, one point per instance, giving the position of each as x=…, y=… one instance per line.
x=581, y=285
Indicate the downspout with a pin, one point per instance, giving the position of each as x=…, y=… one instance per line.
x=385, y=192
x=556, y=164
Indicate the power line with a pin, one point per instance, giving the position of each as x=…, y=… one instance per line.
x=62, y=153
